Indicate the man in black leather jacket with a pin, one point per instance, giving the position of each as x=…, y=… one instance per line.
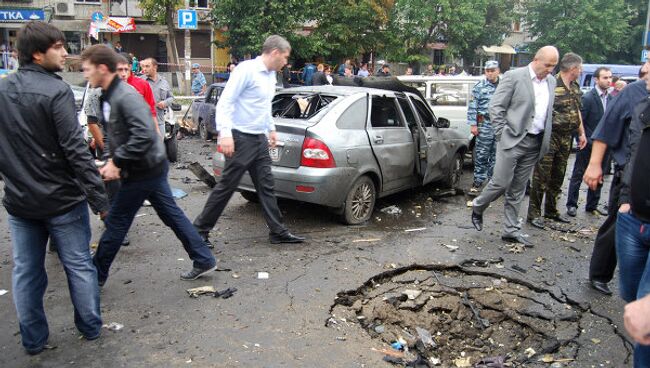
x=50, y=178
x=136, y=155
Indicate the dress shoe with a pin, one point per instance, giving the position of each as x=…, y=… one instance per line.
x=197, y=272
x=477, y=220
x=286, y=238
x=559, y=218
x=572, y=211
x=538, y=222
x=517, y=239
x=601, y=287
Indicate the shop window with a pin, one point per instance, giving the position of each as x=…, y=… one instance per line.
x=88, y=1
x=199, y=4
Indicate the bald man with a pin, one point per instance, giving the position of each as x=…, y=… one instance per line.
x=521, y=111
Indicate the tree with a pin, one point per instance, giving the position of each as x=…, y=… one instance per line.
x=463, y=24
x=246, y=24
x=594, y=29
x=352, y=27
x=162, y=11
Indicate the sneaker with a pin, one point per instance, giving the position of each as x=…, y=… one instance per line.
x=196, y=272
x=126, y=241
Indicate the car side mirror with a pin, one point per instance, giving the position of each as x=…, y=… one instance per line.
x=175, y=107
x=443, y=123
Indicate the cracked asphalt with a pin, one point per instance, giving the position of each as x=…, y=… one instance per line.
x=281, y=321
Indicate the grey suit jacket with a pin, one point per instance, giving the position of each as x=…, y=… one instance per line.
x=512, y=109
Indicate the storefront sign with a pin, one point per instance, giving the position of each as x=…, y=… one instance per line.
x=21, y=15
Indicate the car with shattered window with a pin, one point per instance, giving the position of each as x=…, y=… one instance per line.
x=345, y=146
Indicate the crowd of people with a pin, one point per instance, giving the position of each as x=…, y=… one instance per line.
x=525, y=122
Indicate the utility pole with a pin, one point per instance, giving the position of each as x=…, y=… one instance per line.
x=188, y=56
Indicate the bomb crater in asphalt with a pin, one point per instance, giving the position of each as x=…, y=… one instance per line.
x=473, y=315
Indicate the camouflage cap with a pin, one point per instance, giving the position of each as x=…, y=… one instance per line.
x=491, y=64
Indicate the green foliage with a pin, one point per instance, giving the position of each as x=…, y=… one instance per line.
x=157, y=9
x=247, y=23
x=463, y=24
x=594, y=29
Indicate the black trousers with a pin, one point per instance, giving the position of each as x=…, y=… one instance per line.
x=252, y=155
x=603, y=257
x=579, y=167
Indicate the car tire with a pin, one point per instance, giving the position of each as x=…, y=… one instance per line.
x=455, y=172
x=360, y=201
x=171, y=146
x=203, y=130
x=250, y=196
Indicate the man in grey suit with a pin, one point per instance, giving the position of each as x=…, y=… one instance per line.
x=521, y=111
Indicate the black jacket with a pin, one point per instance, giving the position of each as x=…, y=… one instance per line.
x=592, y=111
x=44, y=159
x=131, y=137
x=320, y=79
x=635, y=185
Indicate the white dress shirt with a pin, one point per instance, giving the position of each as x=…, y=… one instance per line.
x=541, y=102
x=603, y=96
x=245, y=103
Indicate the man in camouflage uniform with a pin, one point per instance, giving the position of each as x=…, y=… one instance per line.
x=478, y=118
x=549, y=172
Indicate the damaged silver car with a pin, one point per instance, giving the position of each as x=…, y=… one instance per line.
x=344, y=147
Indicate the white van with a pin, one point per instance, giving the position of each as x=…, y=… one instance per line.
x=448, y=96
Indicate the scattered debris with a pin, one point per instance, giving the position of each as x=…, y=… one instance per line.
x=201, y=290
x=186, y=180
x=202, y=174
x=530, y=352
x=446, y=193
x=390, y=352
x=416, y=229
x=463, y=362
x=595, y=341
x=483, y=321
x=451, y=248
x=518, y=268
x=492, y=362
x=515, y=248
x=140, y=215
x=226, y=293
x=472, y=262
x=391, y=210
x=412, y=294
x=235, y=275
x=114, y=326
x=341, y=338
x=380, y=329
x=178, y=193
x=366, y=240
x=425, y=338
x=263, y=275
x=3, y=292
x=397, y=345
x=470, y=204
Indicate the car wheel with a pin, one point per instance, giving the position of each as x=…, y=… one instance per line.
x=171, y=145
x=360, y=201
x=203, y=131
x=250, y=196
x=455, y=172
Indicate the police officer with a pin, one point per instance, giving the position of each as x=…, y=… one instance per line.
x=549, y=172
x=478, y=118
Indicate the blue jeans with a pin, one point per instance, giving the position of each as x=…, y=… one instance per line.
x=126, y=204
x=632, y=247
x=71, y=231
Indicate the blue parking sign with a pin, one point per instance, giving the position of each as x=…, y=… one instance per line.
x=187, y=19
x=644, y=56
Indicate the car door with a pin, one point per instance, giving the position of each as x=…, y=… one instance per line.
x=212, y=109
x=391, y=142
x=433, y=155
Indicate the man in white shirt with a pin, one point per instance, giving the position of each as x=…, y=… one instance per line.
x=243, y=121
x=521, y=111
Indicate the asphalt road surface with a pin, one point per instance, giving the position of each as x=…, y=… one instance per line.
x=282, y=321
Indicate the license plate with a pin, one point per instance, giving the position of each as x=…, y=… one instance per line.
x=275, y=154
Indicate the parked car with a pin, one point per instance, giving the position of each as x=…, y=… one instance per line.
x=343, y=147
x=629, y=73
x=448, y=97
x=203, y=111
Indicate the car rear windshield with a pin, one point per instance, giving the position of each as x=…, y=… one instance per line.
x=298, y=106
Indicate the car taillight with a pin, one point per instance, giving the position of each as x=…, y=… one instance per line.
x=316, y=154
